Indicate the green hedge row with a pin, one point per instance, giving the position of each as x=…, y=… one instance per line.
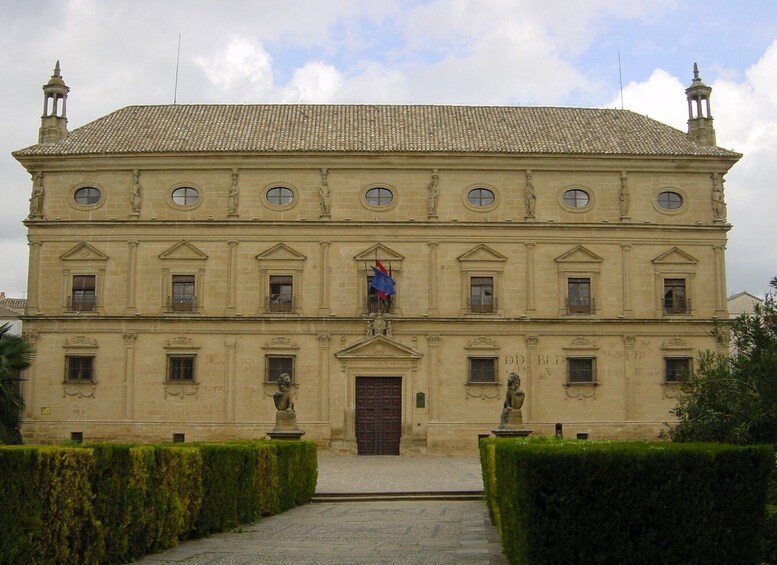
x=108, y=503
x=770, y=538
x=561, y=501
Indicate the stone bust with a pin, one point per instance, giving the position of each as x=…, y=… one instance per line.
x=283, y=396
x=514, y=398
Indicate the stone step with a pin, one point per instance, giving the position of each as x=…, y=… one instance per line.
x=396, y=496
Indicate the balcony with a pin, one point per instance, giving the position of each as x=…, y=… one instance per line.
x=483, y=305
x=181, y=303
x=377, y=306
x=677, y=305
x=282, y=303
x=82, y=303
x=580, y=305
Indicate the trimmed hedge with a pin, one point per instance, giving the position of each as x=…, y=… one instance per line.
x=47, y=514
x=560, y=501
x=771, y=536
x=297, y=473
x=107, y=503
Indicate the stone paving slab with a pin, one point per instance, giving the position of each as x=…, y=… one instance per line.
x=420, y=473
x=407, y=532
x=360, y=533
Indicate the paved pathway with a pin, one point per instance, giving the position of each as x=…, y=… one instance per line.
x=351, y=533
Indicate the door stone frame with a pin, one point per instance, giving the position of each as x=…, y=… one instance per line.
x=379, y=356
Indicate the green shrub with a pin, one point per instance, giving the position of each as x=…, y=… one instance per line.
x=488, y=468
x=47, y=515
x=113, y=503
x=297, y=472
x=268, y=489
x=22, y=512
x=592, y=502
x=168, y=505
x=118, y=503
x=228, y=480
x=770, y=539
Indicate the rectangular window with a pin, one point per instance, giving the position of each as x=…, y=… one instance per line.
x=675, y=299
x=579, y=296
x=281, y=295
x=83, y=296
x=180, y=368
x=481, y=295
x=183, y=299
x=377, y=302
x=482, y=369
x=79, y=368
x=277, y=365
x=581, y=370
x=676, y=369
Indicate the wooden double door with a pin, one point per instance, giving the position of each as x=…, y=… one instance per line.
x=378, y=415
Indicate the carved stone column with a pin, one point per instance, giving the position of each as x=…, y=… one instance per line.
x=33, y=279
x=530, y=305
x=232, y=277
x=323, y=362
x=129, y=376
x=233, y=200
x=626, y=266
x=530, y=197
x=323, y=283
x=629, y=372
x=230, y=370
x=132, y=275
x=531, y=354
x=624, y=198
x=721, y=306
x=434, y=308
x=433, y=360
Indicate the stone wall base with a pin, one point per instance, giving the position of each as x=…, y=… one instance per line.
x=441, y=438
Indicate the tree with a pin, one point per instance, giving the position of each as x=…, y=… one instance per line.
x=15, y=355
x=734, y=398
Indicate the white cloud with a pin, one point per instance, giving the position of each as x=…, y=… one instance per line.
x=242, y=67
x=315, y=82
x=661, y=97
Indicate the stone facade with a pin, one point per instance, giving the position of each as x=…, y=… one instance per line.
x=166, y=285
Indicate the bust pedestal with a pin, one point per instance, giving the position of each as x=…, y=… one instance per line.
x=286, y=426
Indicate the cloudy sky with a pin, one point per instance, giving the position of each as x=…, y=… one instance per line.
x=527, y=52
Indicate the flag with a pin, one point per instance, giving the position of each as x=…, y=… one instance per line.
x=381, y=281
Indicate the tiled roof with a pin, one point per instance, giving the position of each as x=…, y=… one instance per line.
x=302, y=128
x=14, y=304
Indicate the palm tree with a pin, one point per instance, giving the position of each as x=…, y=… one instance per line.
x=15, y=355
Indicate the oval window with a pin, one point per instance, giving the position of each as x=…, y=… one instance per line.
x=185, y=196
x=669, y=200
x=87, y=196
x=576, y=198
x=481, y=197
x=280, y=196
x=379, y=197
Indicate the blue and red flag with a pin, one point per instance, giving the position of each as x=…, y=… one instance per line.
x=382, y=281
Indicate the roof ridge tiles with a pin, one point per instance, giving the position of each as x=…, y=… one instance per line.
x=374, y=128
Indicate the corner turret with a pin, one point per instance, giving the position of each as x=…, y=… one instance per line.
x=53, y=122
x=700, y=128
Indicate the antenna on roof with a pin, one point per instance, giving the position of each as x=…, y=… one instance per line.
x=620, y=76
x=177, y=61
